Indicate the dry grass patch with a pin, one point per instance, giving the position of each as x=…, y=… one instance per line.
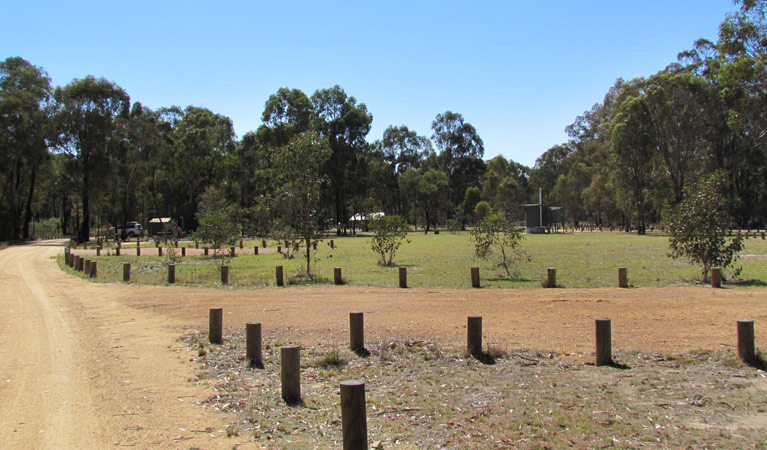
x=422, y=396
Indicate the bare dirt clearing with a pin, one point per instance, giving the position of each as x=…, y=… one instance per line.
x=90, y=365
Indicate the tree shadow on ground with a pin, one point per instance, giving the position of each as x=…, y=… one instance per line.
x=514, y=279
x=746, y=283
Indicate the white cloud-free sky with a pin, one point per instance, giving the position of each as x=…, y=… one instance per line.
x=520, y=72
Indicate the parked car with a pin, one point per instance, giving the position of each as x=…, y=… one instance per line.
x=132, y=229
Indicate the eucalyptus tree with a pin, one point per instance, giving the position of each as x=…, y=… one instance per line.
x=203, y=140
x=505, y=186
x=345, y=124
x=460, y=153
x=399, y=150
x=685, y=113
x=740, y=69
x=427, y=192
x=633, y=149
x=297, y=201
x=85, y=119
x=287, y=113
x=569, y=188
x=25, y=95
x=138, y=159
x=547, y=169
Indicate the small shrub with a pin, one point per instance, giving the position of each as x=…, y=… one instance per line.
x=331, y=359
x=390, y=232
x=497, y=239
x=699, y=228
x=496, y=352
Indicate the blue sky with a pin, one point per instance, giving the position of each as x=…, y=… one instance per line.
x=518, y=71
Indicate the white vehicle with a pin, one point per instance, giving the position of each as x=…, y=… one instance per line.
x=132, y=229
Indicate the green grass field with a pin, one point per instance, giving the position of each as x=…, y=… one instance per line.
x=582, y=260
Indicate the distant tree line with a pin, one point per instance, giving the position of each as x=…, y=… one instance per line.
x=84, y=154
x=630, y=158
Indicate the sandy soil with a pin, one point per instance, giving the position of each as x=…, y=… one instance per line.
x=88, y=365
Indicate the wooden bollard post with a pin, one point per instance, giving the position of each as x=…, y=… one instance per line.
x=290, y=373
x=263, y=243
x=98, y=251
x=403, y=277
x=119, y=244
x=232, y=252
x=551, y=278
x=746, y=349
x=278, y=275
x=716, y=277
x=87, y=267
x=205, y=251
x=224, y=274
x=215, y=325
x=253, y=344
x=332, y=244
x=623, y=279
x=183, y=251
x=314, y=245
x=159, y=251
x=255, y=250
x=94, y=270
x=337, y=278
x=475, y=277
x=241, y=247
x=474, y=336
x=604, y=342
x=279, y=249
x=354, y=424
x=138, y=251
x=762, y=235
x=196, y=244
x=117, y=251
x=171, y=273
x=126, y=272
x=80, y=263
x=356, y=331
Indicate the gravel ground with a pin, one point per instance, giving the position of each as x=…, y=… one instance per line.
x=421, y=396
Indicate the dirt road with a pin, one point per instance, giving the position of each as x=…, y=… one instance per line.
x=88, y=365
x=80, y=370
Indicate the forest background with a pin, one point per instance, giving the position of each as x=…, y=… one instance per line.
x=84, y=156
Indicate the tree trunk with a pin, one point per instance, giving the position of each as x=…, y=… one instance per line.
x=308, y=257
x=84, y=232
x=28, y=212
